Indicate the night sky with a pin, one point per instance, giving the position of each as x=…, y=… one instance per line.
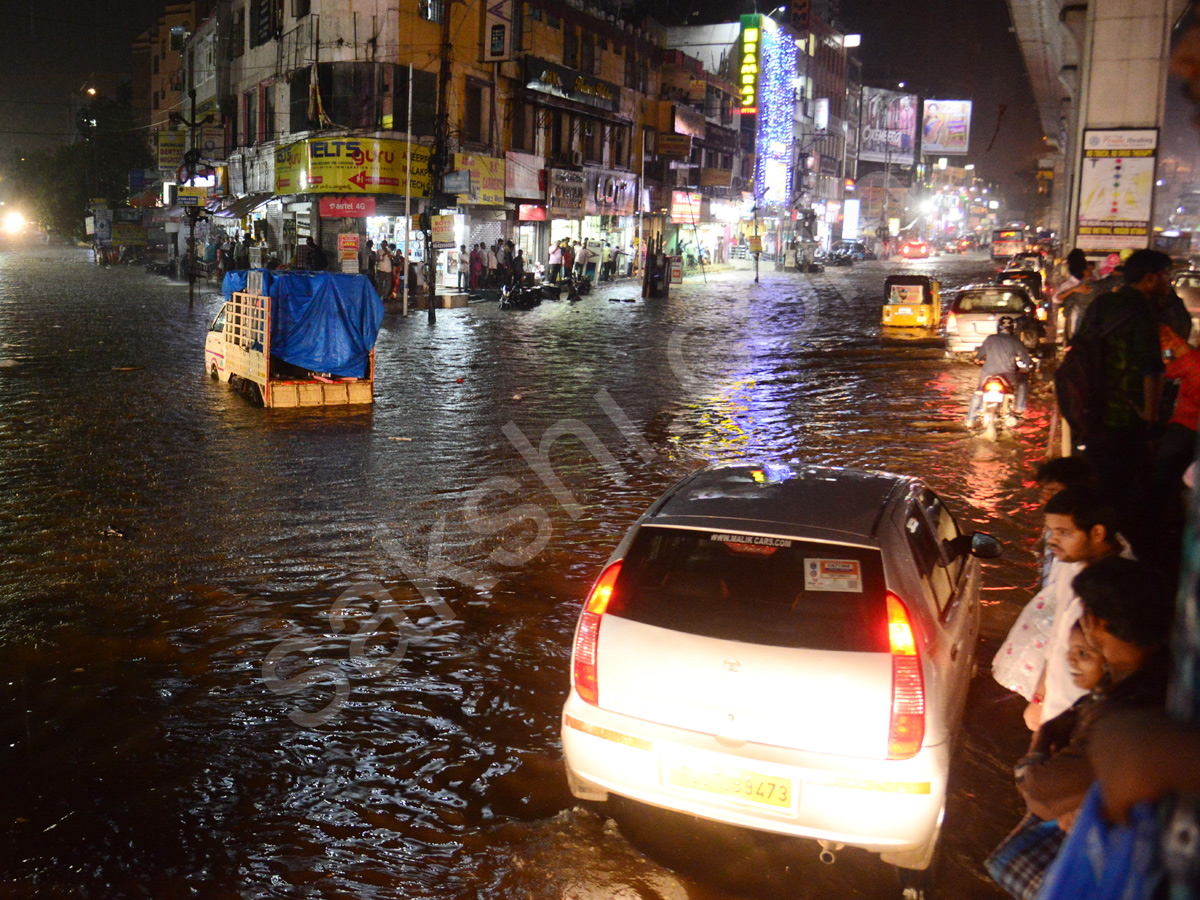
x=48, y=48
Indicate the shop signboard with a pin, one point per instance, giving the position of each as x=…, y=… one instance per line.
x=1116, y=188
x=531, y=212
x=523, y=179
x=443, y=232
x=946, y=127
x=688, y=121
x=457, y=182
x=350, y=166
x=89, y=225
x=685, y=207
x=348, y=253
x=677, y=145
x=610, y=193
x=716, y=177
x=676, y=270
x=564, y=194
x=550, y=78
x=347, y=207
x=171, y=147
x=128, y=233
x=751, y=53
x=889, y=126
x=497, y=28
x=755, y=243
x=103, y=223
x=487, y=179
x=192, y=196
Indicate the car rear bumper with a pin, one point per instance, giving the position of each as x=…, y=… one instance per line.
x=885, y=806
x=964, y=343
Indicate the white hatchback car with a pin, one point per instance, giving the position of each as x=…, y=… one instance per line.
x=783, y=649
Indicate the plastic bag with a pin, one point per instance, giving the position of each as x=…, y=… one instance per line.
x=1021, y=658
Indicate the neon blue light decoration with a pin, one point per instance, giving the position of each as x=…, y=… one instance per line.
x=776, y=115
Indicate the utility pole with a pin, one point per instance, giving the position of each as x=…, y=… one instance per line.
x=191, y=162
x=437, y=162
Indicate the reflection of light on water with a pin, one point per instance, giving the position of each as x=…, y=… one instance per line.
x=724, y=428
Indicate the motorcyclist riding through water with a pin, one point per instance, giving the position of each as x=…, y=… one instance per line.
x=1002, y=354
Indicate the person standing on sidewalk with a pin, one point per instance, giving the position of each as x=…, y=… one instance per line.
x=1127, y=318
x=464, y=265
x=383, y=270
x=556, y=259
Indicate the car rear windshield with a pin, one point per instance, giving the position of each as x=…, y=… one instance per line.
x=778, y=591
x=991, y=302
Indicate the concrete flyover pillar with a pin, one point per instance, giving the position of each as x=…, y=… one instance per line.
x=1122, y=100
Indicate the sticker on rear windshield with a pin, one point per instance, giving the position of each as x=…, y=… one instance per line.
x=750, y=540
x=843, y=575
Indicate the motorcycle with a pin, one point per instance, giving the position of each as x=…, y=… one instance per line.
x=996, y=411
x=522, y=298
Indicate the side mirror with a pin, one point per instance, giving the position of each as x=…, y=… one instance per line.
x=984, y=546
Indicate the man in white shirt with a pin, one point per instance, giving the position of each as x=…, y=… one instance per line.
x=1082, y=531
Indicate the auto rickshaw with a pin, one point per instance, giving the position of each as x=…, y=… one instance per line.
x=912, y=308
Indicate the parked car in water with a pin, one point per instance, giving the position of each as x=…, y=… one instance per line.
x=784, y=649
x=857, y=250
x=976, y=309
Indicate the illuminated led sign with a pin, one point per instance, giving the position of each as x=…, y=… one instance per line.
x=751, y=54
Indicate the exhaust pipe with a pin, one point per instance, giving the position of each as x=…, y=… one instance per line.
x=827, y=854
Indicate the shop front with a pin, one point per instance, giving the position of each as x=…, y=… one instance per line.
x=523, y=174
x=565, y=204
x=610, y=204
x=480, y=217
x=328, y=187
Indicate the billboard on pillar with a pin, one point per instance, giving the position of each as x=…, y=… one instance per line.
x=946, y=127
x=1116, y=188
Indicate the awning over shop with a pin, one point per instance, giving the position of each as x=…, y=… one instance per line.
x=243, y=206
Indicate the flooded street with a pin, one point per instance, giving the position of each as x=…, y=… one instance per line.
x=272, y=653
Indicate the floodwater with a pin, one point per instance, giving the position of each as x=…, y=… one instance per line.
x=256, y=653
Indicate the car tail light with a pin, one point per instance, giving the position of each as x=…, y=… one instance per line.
x=907, y=729
x=952, y=323
x=587, y=636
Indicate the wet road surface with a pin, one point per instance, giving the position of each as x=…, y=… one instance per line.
x=186, y=578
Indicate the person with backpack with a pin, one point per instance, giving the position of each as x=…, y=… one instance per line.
x=1110, y=382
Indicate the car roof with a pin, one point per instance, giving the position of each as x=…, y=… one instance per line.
x=995, y=289
x=813, y=501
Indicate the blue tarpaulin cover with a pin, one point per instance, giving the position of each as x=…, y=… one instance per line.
x=320, y=321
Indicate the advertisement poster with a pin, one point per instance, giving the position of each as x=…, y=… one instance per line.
x=349, y=166
x=685, y=207
x=946, y=127
x=523, y=176
x=497, y=26
x=889, y=126
x=171, y=146
x=487, y=179
x=348, y=252
x=443, y=232
x=347, y=207
x=1116, y=189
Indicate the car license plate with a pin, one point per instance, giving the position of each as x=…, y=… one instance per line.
x=904, y=311
x=736, y=784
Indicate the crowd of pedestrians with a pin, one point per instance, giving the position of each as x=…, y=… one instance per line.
x=1109, y=781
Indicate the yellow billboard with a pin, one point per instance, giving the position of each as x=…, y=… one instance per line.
x=487, y=179
x=351, y=166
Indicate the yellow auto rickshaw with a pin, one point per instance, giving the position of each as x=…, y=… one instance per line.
x=912, y=308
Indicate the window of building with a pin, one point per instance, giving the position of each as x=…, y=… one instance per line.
x=570, y=47
x=267, y=104
x=301, y=8
x=476, y=121
x=630, y=70
x=250, y=116
x=433, y=10
x=265, y=23
x=534, y=13
x=591, y=142
x=556, y=134
x=155, y=67
x=587, y=55
x=237, y=33
x=523, y=116
x=620, y=146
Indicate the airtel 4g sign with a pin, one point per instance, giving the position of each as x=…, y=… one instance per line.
x=348, y=166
